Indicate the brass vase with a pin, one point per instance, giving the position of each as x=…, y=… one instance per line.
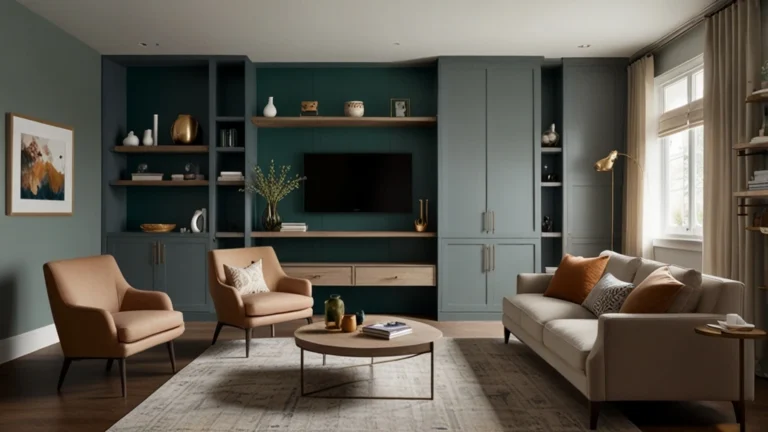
x=184, y=129
x=421, y=223
x=270, y=220
x=334, y=312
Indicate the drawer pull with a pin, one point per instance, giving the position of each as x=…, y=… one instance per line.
x=315, y=276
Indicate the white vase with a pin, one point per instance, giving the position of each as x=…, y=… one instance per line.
x=148, y=140
x=270, y=110
x=131, y=140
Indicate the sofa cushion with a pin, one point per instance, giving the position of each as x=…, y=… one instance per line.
x=575, y=277
x=622, y=267
x=608, y=295
x=571, y=339
x=687, y=300
x=655, y=294
x=133, y=326
x=271, y=303
x=535, y=310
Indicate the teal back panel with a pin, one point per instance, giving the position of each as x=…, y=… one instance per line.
x=331, y=87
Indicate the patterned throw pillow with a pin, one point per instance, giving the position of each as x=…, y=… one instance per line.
x=608, y=295
x=247, y=280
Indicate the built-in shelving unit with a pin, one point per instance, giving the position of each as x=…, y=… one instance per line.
x=231, y=183
x=345, y=234
x=230, y=149
x=175, y=183
x=552, y=162
x=551, y=234
x=309, y=121
x=230, y=119
x=176, y=149
x=757, y=98
x=551, y=184
x=751, y=194
x=551, y=149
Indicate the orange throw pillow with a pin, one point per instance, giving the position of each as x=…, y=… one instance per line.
x=575, y=277
x=653, y=295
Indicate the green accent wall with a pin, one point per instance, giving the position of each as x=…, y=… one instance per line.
x=332, y=87
x=47, y=74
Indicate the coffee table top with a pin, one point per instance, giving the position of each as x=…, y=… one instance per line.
x=315, y=338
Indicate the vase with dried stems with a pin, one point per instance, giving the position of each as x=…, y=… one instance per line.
x=273, y=188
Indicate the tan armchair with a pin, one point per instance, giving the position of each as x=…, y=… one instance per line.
x=99, y=316
x=289, y=298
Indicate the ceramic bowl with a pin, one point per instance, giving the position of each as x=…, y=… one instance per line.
x=764, y=230
x=157, y=228
x=354, y=109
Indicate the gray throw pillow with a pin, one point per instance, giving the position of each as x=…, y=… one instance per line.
x=608, y=295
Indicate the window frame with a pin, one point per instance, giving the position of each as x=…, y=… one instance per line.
x=692, y=231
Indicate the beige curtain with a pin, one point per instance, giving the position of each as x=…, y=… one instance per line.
x=731, y=73
x=640, y=111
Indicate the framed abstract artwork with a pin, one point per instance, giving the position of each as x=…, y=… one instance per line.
x=40, y=167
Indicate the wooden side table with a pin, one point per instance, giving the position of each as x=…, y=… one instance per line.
x=739, y=406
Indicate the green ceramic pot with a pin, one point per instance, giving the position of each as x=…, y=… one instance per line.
x=334, y=311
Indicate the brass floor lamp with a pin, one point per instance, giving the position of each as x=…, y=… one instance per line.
x=606, y=164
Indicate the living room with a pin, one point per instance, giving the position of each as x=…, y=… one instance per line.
x=386, y=215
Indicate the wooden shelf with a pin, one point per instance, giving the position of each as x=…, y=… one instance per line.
x=551, y=149
x=230, y=149
x=230, y=183
x=289, y=122
x=551, y=184
x=347, y=234
x=757, y=98
x=226, y=234
x=230, y=119
x=160, y=183
x=178, y=149
x=751, y=194
x=753, y=228
x=551, y=234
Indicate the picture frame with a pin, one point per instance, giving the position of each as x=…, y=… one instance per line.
x=39, y=167
x=399, y=107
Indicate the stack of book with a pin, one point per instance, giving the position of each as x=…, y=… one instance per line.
x=231, y=176
x=388, y=330
x=294, y=227
x=147, y=176
x=759, y=182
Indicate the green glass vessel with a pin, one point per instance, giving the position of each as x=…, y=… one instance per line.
x=334, y=311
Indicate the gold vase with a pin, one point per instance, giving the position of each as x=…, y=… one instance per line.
x=421, y=223
x=184, y=129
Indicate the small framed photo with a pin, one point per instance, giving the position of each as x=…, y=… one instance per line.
x=39, y=169
x=399, y=107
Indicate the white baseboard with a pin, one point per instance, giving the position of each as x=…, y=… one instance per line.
x=25, y=343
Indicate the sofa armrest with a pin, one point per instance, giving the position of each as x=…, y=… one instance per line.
x=660, y=357
x=295, y=286
x=137, y=300
x=533, y=283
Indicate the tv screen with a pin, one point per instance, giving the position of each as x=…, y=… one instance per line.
x=357, y=182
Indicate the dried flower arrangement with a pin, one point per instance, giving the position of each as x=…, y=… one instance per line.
x=273, y=188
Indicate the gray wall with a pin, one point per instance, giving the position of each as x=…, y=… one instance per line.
x=680, y=50
x=47, y=74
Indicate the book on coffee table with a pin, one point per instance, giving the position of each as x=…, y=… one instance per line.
x=388, y=330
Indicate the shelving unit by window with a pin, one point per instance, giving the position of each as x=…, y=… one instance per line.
x=294, y=122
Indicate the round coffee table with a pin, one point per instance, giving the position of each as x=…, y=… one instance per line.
x=315, y=338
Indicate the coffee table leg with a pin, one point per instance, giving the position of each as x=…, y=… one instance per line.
x=323, y=359
x=431, y=371
x=302, y=372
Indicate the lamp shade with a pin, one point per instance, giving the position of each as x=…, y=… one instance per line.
x=606, y=163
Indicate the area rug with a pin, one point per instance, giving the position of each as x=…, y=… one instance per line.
x=481, y=385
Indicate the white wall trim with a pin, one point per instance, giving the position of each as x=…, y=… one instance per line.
x=25, y=343
x=692, y=245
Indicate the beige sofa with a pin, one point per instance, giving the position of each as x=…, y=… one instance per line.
x=634, y=357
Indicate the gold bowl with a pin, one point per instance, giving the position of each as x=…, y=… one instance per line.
x=157, y=228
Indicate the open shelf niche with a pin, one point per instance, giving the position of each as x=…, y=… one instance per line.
x=552, y=191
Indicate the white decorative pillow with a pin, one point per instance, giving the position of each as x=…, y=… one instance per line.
x=608, y=295
x=247, y=280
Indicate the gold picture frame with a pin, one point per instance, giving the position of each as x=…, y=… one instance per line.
x=395, y=110
x=39, y=167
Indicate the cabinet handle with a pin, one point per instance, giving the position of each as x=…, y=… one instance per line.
x=154, y=253
x=485, y=222
x=493, y=221
x=486, y=259
x=162, y=253
x=493, y=258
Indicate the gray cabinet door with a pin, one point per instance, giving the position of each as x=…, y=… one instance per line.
x=135, y=258
x=461, y=150
x=184, y=273
x=513, y=156
x=462, y=281
x=508, y=259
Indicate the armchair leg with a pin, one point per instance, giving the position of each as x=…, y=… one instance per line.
x=219, y=325
x=109, y=364
x=121, y=364
x=739, y=409
x=64, y=369
x=247, y=342
x=506, y=335
x=594, y=413
x=272, y=328
x=172, y=355
x=309, y=320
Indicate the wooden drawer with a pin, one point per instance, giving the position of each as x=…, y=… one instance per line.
x=395, y=275
x=321, y=275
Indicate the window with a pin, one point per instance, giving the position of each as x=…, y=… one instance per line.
x=681, y=137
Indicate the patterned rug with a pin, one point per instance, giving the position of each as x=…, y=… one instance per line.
x=481, y=385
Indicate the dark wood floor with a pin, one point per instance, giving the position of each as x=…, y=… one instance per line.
x=91, y=401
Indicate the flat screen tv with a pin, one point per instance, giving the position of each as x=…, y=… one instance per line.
x=357, y=182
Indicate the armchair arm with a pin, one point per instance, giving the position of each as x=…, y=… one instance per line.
x=533, y=283
x=295, y=286
x=86, y=331
x=660, y=357
x=227, y=301
x=136, y=300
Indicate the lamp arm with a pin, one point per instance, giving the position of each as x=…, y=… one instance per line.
x=633, y=160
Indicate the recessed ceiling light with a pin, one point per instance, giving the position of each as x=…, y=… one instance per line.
x=142, y=44
x=157, y=44
x=396, y=43
x=585, y=46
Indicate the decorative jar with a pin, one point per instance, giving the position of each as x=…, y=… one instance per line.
x=334, y=312
x=354, y=109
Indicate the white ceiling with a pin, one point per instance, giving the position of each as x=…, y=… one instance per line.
x=368, y=30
